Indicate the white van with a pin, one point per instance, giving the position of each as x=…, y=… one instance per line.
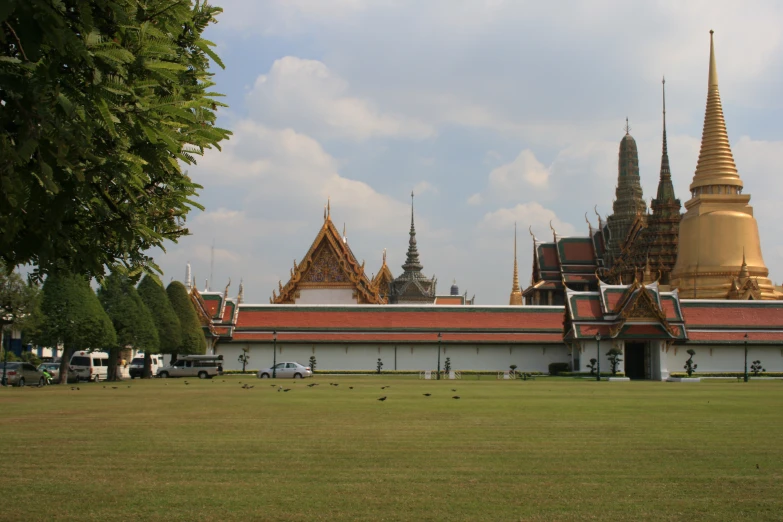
x=136, y=367
x=201, y=366
x=90, y=366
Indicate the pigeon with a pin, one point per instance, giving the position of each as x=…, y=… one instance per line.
x=104, y=386
x=251, y=387
x=454, y=389
x=77, y=388
x=455, y=397
x=384, y=387
x=382, y=398
x=287, y=390
x=350, y=387
x=187, y=383
x=757, y=466
x=427, y=394
x=273, y=385
x=113, y=387
x=244, y=386
x=128, y=386
x=310, y=385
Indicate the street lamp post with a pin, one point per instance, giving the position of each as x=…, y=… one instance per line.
x=440, y=335
x=274, y=353
x=598, y=356
x=746, y=357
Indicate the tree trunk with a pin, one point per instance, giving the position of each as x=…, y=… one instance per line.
x=173, y=358
x=147, y=373
x=111, y=372
x=65, y=362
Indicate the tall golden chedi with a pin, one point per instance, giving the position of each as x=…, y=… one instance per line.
x=719, y=247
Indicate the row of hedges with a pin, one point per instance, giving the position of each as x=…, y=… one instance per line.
x=588, y=374
x=727, y=374
x=383, y=372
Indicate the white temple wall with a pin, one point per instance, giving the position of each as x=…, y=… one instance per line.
x=331, y=296
x=725, y=358
x=530, y=358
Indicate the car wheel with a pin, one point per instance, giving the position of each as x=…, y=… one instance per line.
x=297, y=376
x=41, y=382
x=21, y=382
x=164, y=375
x=202, y=375
x=264, y=375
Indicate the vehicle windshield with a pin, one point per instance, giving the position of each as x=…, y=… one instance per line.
x=138, y=360
x=80, y=361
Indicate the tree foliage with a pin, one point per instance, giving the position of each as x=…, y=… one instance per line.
x=154, y=296
x=73, y=315
x=18, y=299
x=101, y=101
x=192, y=341
x=131, y=318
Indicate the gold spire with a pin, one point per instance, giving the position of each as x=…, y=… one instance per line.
x=716, y=165
x=516, y=292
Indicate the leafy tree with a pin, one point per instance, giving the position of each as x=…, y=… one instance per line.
x=756, y=368
x=73, y=315
x=379, y=365
x=101, y=102
x=154, y=296
x=131, y=318
x=593, y=366
x=192, y=341
x=18, y=302
x=312, y=362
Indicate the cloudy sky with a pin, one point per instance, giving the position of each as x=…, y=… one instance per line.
x=492, y=111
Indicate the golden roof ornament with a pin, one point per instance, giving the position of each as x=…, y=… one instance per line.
x=716, y=162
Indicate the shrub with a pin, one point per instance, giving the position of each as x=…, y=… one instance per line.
x=690, y=366
x=756, y=368
x=379, y=365
x=447, y=365
x=614, y=359
x=593, y=365
x=556, y=367
x=312, y=362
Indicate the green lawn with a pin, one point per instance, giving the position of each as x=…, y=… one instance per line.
x=549, y=449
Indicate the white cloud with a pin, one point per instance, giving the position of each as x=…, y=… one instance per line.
x=308, y=96
x=527, y=215
x=524, y=170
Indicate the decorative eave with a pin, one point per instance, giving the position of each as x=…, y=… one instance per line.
x=201, y=310
x=354, y=272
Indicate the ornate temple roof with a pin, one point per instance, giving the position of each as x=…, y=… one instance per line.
x=329, y=263
x=412, y=286
x=382, y=280
x=634, y=311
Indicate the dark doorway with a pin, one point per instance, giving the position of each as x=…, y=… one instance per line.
x=634, y=360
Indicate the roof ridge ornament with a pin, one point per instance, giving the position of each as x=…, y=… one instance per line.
x=627, y=127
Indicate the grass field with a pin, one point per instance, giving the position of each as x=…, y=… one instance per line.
x=547, y=449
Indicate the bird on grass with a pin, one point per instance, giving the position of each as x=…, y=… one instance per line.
x=273, y=385
x=287, y=390
x=187, y=383
x=455, y=397
x=427, y=394
x=453, y=389
x=279, y=388
x=310, y=385
x=384, y=387
x=350, y=387
x=113, y=387
x=757, y=466
x=382, y=398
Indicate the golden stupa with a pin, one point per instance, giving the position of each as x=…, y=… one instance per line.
x=719, y=245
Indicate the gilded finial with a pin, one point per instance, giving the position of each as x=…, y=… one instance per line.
x=328, y=206
x=324, y=212
x=384, y=256
x=627, y=127
x=600, y=223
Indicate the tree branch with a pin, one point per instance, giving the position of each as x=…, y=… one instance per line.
x=18, y=42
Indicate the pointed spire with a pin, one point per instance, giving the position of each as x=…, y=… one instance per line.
x=412, y=262
x=384, y=256
x=627, y=127
x=665, y=186
x=716, y=162
x=241, y=295
x=515, y=285
x=744, y=273
x=328, y=207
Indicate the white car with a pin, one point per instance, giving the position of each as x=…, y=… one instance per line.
x=286, y=370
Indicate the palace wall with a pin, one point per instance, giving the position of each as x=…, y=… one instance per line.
x=529, y=357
